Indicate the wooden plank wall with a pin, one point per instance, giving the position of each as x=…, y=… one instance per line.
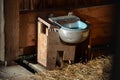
x=101, y=21
x=31, y=9
x=2, y=42
x=28, y=23
x=48, y=4
x=11, y=30
x=28, y=26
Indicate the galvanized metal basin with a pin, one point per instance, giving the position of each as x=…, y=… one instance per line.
x=72, y=29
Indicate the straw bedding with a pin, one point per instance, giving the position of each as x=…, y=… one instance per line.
x=96, y=69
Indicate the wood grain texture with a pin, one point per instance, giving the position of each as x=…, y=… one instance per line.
x=100, y=17
x=101, y=22
x=11, y=30
x=28, y=26
x=49, y=45
x=2, y=34
x=48, y=4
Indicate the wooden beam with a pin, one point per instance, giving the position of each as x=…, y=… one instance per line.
x=2, y=30
x=11, y=30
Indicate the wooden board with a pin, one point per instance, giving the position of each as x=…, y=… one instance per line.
x=48, y=4
x=100, y=21
x=28, y=26
x=2, y=34
x=11, y=30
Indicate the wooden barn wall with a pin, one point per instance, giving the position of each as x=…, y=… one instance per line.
x=2, y=42
x=99, y=14
x=48, y=4
x=28, y=26
x=101, y=22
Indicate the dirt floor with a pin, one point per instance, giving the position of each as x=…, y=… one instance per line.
x=96, y=69
x=15, y=73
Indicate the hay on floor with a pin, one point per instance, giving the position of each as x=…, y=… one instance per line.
x=96, y=69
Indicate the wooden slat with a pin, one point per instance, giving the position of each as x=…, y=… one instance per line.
x=21, y=5
x=2, y=31
x=48, y=4
x=11, y=30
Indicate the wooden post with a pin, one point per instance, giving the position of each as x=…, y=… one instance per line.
x=11, y=30
x=1, y=31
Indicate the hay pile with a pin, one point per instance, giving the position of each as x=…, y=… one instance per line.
x=97, y=69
